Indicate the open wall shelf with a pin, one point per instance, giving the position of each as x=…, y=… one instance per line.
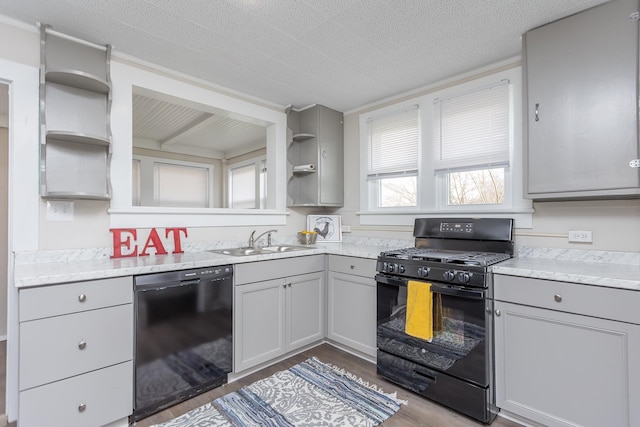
x=75, y=109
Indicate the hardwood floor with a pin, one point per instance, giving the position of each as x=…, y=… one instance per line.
x=418, y=412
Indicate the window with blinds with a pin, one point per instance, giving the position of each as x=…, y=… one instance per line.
x=392, y=152
x=181, y=186
x=458, y=154
x=471, y=144
x=165, y=182
x=247, y=184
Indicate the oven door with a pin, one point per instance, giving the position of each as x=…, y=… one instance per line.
x=461, y=338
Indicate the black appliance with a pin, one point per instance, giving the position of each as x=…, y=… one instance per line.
x=183, y=335
x=455, y=367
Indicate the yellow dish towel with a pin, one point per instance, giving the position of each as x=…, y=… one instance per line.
x=419, y=321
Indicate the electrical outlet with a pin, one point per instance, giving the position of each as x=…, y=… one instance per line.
x=59, y=210
x=580, y=236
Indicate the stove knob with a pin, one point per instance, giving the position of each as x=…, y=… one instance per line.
x=449, y=275
x=390, y=268
x=401, y=268
x=464, y=277
x=423, y=271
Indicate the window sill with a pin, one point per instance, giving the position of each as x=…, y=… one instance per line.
x=523, y=218
x=147, y=217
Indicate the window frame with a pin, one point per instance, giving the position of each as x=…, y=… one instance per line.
x=127, y=75
x=432, y=187
x=373, y=184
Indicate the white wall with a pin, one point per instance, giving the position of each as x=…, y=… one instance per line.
x=90, y=225
x=615, y=223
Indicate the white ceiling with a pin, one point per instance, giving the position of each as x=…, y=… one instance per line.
x=339, y=53
x=162, y=125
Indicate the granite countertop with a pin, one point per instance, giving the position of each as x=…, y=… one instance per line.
x=62, y=268
x=599, y=268
x=607, y=269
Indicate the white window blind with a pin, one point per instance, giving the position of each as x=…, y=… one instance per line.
x=243, y=184
x=393, y=144
x=472, y=130
x=181, y=186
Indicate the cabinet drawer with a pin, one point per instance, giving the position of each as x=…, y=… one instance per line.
x=351, y=265
x=277, y=268
x=47, y=301
x=50, y=349
x=107, y=395
x=596, y=301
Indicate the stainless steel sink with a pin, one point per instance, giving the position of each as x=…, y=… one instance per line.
x=246, y=251
x=283, y=248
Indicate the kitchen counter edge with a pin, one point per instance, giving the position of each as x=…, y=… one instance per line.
x=620, y=276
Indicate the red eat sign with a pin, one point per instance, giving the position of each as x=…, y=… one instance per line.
x=127, y=238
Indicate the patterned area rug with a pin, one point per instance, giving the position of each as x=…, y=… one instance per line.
x=310, y=393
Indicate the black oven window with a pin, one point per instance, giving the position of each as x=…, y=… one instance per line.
x=458, y=328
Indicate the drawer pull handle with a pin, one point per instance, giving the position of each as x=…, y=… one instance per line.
x=82, y=407
x=557, y=297
x=82, y=298
x=353, y=266
x=82, y=345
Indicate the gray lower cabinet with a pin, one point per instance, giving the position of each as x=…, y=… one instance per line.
x=566, y=354
x=581, y=105
x=274, y=315
x=351, y=305
x=76, y=352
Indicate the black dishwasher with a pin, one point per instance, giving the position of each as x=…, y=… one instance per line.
x=183, y=335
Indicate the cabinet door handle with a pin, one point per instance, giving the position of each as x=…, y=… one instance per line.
x=353, y=266
x=498, y=313
x=536, y=113
x=82, y=345
x=82, y=297
x=82, y=407
x=557, y=297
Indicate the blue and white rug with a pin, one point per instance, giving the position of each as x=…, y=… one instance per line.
x=310, y=393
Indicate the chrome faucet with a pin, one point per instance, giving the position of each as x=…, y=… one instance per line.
x=252, y=240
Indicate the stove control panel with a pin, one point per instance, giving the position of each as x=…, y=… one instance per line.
x=409, y=270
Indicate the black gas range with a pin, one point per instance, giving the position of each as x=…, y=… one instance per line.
x=456, y=267
x=455, y=366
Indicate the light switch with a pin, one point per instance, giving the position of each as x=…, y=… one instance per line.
x=58, y=210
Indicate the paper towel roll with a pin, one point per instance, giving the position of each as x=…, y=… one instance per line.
x=302, y=168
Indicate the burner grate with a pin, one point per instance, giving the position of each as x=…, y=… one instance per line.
x=448, y=257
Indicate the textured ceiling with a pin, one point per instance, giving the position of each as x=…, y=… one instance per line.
x=339, y=53
x=161, y=125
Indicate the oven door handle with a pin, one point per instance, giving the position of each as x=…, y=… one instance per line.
x=444, y=290
x=458, y=292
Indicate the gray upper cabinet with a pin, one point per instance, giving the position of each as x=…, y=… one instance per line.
x=75, y=135
x=315, y=156
x=581, y=105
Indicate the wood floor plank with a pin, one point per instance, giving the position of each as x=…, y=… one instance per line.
x=418, y=412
